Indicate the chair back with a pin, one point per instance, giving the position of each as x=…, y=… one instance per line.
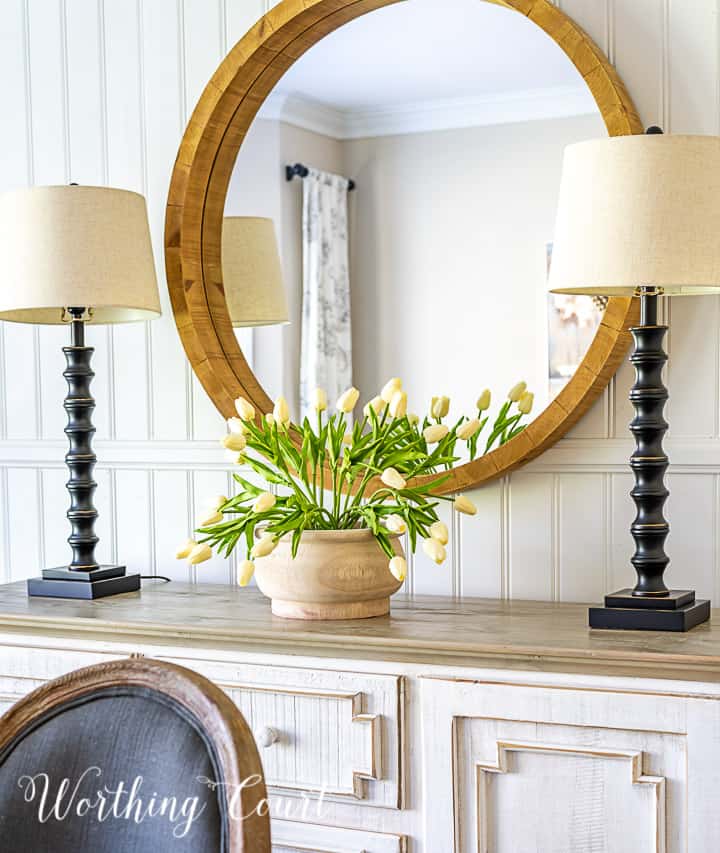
x=138, y=756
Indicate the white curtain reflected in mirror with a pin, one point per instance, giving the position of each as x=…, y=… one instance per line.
x=452, y=127
x=326, y=348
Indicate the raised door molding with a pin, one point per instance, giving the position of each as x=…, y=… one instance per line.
x=649, y=807
x=357, y=753
x=291, y=837
x=574, y=770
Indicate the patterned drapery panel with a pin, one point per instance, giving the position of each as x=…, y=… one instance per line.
x=326, y=333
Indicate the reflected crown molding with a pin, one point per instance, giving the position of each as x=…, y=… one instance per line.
x=430, y=115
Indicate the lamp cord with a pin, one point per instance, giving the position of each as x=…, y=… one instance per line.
x=155, y=578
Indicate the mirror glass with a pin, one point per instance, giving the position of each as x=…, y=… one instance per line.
x=450, y=118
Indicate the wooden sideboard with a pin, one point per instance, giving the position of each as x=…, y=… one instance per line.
x=449, y=727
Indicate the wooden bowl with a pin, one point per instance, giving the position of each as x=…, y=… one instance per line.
x=337, y=574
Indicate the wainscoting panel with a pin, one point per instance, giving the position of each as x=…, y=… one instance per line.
x=99, y=92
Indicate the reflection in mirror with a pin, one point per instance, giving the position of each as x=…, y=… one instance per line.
x=252, y=272
x=450, y=117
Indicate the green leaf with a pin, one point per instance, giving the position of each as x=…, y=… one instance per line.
x=296, y=539
x=247, y=485
x=384, y=543
x=276, y=477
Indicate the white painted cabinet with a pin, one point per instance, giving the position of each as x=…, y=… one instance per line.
x=467, y=727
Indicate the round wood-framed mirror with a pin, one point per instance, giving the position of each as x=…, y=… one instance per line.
x=201, y=177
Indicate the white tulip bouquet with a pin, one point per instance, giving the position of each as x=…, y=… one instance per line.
x=327, y=476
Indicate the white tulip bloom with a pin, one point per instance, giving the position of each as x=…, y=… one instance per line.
x=525, y=403
x=211, y=517
x=264, y=502
x=184, y=550
x=235, y=442
x=245, y=571
x=237, y=426
x=264, y=546
x=393, y=479
x=398, y=404
x=439, y=407
x=199, y=554
x=439, y=532
x=467, y=430
x=483, y=402
x=436, y=433
x=435, y=551
x=320, y=400
x=465, y=505
x=348, y=400
x=398, y=568
x=377, y=405
x=517, y=391
x=390, y=388
x=395, y=524
x=281, y=412
x=245, y=409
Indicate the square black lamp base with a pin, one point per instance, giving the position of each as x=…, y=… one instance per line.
x=678, y=611
x=63, y=583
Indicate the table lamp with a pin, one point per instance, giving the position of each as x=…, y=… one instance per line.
x=74, y=255
x=640, y=216
x=252, y=273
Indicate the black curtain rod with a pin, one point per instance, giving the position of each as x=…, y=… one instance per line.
x=300, y=171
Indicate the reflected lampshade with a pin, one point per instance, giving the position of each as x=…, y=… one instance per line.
x=76, y=246
x=252, y=273
x=639, y=211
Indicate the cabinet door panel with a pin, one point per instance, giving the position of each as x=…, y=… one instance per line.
x=513, y=767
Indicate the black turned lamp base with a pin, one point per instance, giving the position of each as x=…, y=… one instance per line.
x=677, y=611
x=83, y=578
x=63, y=583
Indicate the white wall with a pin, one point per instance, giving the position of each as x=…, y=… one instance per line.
x=448, y=234
x=99, y=92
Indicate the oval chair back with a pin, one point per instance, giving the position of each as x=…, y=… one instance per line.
x=132, y=756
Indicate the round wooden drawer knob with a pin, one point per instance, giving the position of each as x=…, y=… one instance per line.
x=267, y=736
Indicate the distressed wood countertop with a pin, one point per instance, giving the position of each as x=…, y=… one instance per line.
x=472, y=632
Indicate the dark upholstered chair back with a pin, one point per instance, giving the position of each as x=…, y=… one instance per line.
x=133, y=756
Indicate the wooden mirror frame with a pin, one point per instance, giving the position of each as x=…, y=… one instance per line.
x=199, y=185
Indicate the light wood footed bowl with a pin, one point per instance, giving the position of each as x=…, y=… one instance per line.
x=337, y=574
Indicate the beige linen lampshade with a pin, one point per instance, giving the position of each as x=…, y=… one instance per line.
x=252, y=274
x=75, y=246
x=639, y=211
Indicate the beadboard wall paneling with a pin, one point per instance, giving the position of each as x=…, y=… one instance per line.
x=99, y=92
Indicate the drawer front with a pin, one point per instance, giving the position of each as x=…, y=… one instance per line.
x=13, y=689
x=289, y=837
x=24, y=668
x=334, y=734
